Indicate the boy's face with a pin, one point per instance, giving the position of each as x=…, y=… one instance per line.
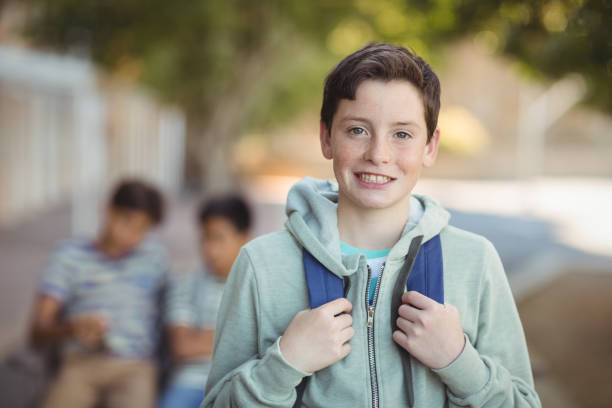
x=220, y=244
x=378, y=144
x=126, y=228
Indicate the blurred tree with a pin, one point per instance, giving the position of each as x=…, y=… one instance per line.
x=210, y=57
x=233, y=64
x=550, y=38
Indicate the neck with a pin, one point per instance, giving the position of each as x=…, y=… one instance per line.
x=107, y=247
x=371, y=229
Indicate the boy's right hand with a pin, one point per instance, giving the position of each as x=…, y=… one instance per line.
x=89, y=330
x=317, y=338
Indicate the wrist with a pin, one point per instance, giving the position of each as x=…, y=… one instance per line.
x=291, y=364
x=454, y=356
x=466, y=374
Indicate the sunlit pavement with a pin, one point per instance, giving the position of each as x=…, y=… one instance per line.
x=541, y=227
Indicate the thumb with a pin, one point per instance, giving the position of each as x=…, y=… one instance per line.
x=337, y=306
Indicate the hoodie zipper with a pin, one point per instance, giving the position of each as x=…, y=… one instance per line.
x=370, y=325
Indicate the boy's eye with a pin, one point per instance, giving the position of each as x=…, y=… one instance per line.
x=357, y=131
x=403, y=135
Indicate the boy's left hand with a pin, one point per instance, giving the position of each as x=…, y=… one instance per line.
x=428, y=330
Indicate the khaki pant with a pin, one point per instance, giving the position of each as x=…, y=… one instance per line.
x=88, y=381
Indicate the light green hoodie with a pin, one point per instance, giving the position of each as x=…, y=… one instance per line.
x=267, y=287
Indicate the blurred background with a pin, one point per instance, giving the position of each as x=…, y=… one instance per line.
x=207, y=96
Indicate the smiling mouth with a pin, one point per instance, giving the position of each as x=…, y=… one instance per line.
x=374, y=178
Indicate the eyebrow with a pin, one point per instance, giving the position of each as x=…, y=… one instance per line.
x=409, y=123
x=360, y=119
x=355, y=118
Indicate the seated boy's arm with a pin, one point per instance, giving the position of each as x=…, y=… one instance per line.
x=189, y=342
x=245, y=371
x=45, y=328
x=495, y=369
x=48, y=329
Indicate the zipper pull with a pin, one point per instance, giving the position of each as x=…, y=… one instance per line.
x=370, y=316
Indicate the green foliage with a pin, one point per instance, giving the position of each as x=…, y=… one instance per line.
x=191, y=52
x=551, y=38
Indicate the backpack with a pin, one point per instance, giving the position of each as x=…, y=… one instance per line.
x=422, y=271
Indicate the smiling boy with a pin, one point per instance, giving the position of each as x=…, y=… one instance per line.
x=375, y=346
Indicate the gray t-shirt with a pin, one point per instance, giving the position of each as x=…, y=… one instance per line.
x=194, y=301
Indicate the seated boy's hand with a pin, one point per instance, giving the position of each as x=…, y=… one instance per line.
x=319, y=337
x=428, y=330
x=89, y=330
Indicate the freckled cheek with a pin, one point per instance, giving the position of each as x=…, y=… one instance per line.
x=343, y=163
x=409, y=163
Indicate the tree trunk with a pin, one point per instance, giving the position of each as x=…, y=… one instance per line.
x=211, y=140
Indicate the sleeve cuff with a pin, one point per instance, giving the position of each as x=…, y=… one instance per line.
x=275, y=373
x=179, y=319
x=467, y=374
x=53, y=291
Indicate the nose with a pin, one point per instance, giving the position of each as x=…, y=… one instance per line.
x=378, y=151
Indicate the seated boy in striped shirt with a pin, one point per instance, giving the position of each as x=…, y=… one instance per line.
x=99, y=301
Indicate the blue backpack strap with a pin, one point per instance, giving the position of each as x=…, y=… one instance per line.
x=427, y=274
x=422, y=271
x=323, y=286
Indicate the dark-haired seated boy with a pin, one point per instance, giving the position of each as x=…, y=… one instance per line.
x=99, y=301
x=386, y=338
x=193, y=301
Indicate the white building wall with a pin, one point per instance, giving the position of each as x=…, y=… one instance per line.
x=64, y=139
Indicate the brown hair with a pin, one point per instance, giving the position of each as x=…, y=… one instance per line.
x=140, y=196
x=232, y=207
x=384, y=62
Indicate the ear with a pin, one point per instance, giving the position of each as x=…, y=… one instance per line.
x=431, y=149
x=325, y=138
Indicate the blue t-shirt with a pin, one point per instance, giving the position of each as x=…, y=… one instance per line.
x=126, y=291
x=375, y=259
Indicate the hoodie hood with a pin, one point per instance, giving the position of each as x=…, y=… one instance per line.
x=312, y=219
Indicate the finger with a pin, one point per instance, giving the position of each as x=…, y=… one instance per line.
x=345, y=350
x=347, y=334
x=418, y=300
x=344, y=320
x=400, y=338
x=404, y=325
x=449, y=307
x=102, y=321
x=335, y=307
x=409, y=313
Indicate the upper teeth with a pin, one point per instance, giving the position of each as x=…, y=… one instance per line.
x=373, y=178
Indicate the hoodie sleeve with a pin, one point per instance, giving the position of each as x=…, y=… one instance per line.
x=245, y=373
x=494, y=370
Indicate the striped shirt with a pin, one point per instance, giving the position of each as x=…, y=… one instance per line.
x=127, y=291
